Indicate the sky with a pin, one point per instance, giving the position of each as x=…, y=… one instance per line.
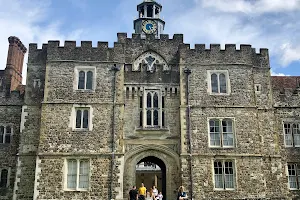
x=272, y=24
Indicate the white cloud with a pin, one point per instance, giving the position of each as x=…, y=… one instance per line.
x=21, y=18
x=262, y=23
x=258, y=6
x=290, y=53
x=278, y=74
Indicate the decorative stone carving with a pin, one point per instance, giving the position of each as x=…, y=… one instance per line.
x=152, y=60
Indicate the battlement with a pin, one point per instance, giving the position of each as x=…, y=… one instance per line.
x=232, y=54
x=102, y=52
x=122, y=38
x=126, y=49
x=229, y=48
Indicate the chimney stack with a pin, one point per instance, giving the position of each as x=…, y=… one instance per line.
x=14, y=64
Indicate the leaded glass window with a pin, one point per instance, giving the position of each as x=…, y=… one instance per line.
x=4, y=178
x=221, y=132
x=292, y=134
x=224, y=174
x=293, y=175
x=219, y=82
x=85, y=80
x=5, y=134
x=152, y=109
x=78, y=174
x=82, y=118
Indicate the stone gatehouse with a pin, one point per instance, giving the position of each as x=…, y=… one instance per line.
x=213, y=120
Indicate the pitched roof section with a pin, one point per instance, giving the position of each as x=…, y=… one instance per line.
x=285, y=82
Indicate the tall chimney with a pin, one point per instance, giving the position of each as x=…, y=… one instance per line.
x=14, y=63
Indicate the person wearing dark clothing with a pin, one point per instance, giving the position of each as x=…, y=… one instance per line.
x=133, y=194
x=181, y=194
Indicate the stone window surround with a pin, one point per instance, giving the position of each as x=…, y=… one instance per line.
x=73, y=117
x=144, y=97
x=8, y=175
x=233, y=160
x=156, y=60
x=65, y=174
x=234, y=133
x=257, y=88
x=289, y=121
x=209, y=88
x=36, y=83
x=11, y=134
x=77, y=69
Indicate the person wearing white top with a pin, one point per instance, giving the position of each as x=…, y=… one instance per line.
x=159, y=196
x=155, y=191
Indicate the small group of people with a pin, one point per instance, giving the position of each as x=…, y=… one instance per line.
x=152, y=194
x=143, y=194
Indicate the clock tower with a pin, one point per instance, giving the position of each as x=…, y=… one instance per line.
x=149, y=21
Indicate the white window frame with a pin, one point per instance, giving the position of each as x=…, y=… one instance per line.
x=77, y=177
x=77, y=69
x=8, y=175
x=73, y=117
x=292, y=134
x=221, y=132
x=5, y=133
x=223, y=174
x=36, y=83
x=297, y=176
x=160, y=109
x=218, y=72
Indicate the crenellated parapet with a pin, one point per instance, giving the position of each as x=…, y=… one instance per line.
x=36, y=55
x=127, y=50
x=102, y=52
x=230, y=55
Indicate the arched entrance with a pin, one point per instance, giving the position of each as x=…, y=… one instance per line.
x=151, y=171
x=164, y=157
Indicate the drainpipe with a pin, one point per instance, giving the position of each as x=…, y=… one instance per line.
x=187, y=71
x=115, y=69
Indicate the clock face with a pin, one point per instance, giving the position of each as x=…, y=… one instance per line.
x=149, y=26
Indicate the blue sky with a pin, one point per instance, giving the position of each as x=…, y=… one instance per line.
x=272, y=24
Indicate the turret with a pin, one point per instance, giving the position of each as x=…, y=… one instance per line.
x=149, y=21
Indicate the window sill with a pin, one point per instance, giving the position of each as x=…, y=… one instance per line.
x=294, y=189
x=152, y=129
x=219, y=94
x=74, y=190
x=225, y=190
x=291, y=147
x=5, y=144
x=84, y=90
x=81, y=130
x=218, y=147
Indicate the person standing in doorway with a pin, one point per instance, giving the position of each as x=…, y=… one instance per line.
x=159, y=196
x=133, y=194
x=155, y=191
x=142, y=192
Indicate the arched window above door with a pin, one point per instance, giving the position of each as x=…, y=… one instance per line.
x=151, y=61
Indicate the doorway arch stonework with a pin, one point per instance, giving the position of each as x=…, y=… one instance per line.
x=167, y=155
